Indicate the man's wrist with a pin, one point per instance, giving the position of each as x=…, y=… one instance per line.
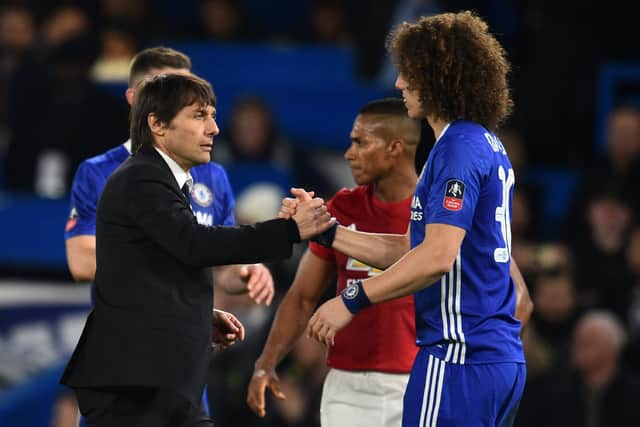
x=354, y=297
x=264, y=365
x=293, y=231
x=327, y=237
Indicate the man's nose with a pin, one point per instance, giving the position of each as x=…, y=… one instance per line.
x=398, y=82
x=212, y=128
x=348, y=155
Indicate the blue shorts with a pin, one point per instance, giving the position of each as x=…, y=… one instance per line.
x=453, y=395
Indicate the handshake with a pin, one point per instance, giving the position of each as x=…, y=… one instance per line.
x=311, y=216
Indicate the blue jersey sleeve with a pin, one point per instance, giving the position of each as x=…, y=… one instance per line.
x=229, y=203
x=84, y=200
x=456, y=177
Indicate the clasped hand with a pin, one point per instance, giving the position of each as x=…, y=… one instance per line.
x=333, y=315
x=309, y=213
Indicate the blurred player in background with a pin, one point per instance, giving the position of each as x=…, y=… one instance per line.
x=211, y=196
x=470, y=369
x=372, y=358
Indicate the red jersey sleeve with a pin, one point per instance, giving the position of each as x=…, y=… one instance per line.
x=326, y=254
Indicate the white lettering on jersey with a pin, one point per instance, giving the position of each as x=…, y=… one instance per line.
x=415, y=203
x=204, y=218
x=495, y=143
x=416, y=215
x=507, y=179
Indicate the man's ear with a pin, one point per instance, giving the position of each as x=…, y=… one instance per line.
x=130, y=94
x=157, y=126
x=395, y=147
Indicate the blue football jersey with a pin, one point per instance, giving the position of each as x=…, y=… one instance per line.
x=211, y=196
x=469, y=315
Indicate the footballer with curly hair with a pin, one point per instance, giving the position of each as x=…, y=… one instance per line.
x=456, y=258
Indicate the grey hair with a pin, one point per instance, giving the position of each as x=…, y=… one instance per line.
x=610, y=322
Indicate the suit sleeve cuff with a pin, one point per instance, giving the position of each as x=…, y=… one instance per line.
x=292, y=231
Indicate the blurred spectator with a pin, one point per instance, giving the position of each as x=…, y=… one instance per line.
x=621, y=162
x=554, y=79
x=252, y=135
x=514, y=144
x=623, y=136
x=603, y=278
x=136, y=14
x=223, y=20
x=371, y=22
x=547, y=335
x=527, y=201
x=632, y=356
x=328, y=22
x=533, y=256
x=57, y=116
x=633, y=261
x=118, y=45
x=252, y=150
x=65, y=23
x=532, y=253
x=521, y=217
x=17, y=35
x=253, y=153
x=526, y=197
x=599, y=391
x=253, y=139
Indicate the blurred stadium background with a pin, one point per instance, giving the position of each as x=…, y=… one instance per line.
x=290, y=76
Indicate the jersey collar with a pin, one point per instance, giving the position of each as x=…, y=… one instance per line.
x=444, y=130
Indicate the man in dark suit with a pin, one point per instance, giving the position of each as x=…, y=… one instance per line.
x=143, y=355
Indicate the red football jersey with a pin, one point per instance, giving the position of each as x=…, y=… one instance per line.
x=381, y=337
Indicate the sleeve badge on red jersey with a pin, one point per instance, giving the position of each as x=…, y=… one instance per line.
x=454, y=195
x=73, y=219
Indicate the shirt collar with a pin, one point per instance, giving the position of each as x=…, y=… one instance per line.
x=444, y=130
x=178, y=173
x=127, y=145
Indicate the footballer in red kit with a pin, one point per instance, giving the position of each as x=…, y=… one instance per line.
x=383, y=337
x=371, y=359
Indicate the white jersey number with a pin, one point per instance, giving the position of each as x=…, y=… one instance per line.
x=507, y=179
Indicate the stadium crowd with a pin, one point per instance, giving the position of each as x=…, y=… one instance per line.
x=582, y=265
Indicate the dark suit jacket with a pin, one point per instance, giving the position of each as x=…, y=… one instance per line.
x=151, y=322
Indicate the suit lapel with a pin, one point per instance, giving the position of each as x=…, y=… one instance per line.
x=148, y=153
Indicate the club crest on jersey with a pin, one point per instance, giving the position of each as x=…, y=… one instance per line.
x=454, y=195
x=352, y=291
x=202, y=195
x=72, y=221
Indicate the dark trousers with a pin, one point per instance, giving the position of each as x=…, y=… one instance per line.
x=139, y=407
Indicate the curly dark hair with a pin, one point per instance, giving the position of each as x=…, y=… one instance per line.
x=458, y=68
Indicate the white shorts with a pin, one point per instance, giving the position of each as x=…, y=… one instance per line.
x=363, y=398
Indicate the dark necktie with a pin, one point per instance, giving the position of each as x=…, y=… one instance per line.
x=185, y=191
